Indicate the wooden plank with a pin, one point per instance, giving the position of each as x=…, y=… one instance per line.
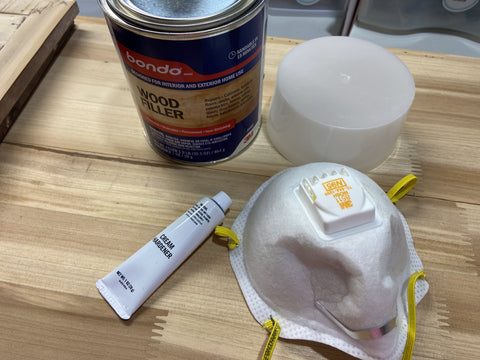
x=23, y=7
x=68, y=220
x=9, y=23
x=157, y=190
x=31, y=33
x=64, y=326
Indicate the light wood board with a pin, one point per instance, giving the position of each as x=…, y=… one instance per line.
x=31, y=31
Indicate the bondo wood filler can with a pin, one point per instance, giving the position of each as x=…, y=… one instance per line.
x=195, y=69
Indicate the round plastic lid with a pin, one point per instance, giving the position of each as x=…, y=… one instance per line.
x=346, y=82
x=339, y=99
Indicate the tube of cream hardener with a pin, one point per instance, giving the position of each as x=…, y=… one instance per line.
x=128, y=286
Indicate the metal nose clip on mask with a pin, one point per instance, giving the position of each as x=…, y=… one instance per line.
x=325, y=252
x=365, y=334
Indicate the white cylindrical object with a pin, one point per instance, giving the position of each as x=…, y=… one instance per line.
x=339, y=99
x=129, y=285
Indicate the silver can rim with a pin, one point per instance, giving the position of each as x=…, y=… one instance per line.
x=129, y=12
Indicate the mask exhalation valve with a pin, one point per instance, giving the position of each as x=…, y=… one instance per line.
x=336, y=201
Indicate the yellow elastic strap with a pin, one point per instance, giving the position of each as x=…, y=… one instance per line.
x=227, y=233
x=401, y=188
x=274, y=328
x=412, y=321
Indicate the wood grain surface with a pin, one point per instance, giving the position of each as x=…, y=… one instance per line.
x=31, y=33
x=80, y=191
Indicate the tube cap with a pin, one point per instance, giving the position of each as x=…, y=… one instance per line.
x=223, y=201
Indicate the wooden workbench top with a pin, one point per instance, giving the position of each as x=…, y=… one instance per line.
x=80, y=191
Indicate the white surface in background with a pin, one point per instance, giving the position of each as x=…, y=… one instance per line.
x=299, y=26
x=434, y=42
x=89, y=8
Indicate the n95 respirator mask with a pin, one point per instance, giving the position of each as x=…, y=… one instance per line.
x=323, y=250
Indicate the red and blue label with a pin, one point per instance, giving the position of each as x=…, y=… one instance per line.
x=199, y=98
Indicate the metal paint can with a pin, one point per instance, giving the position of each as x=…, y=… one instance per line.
x=195, y=70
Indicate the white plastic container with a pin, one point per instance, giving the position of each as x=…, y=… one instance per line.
x=339, y=99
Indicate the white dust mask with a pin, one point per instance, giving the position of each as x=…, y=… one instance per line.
x=325, y=252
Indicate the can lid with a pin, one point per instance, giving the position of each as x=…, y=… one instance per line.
x=179, y=15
